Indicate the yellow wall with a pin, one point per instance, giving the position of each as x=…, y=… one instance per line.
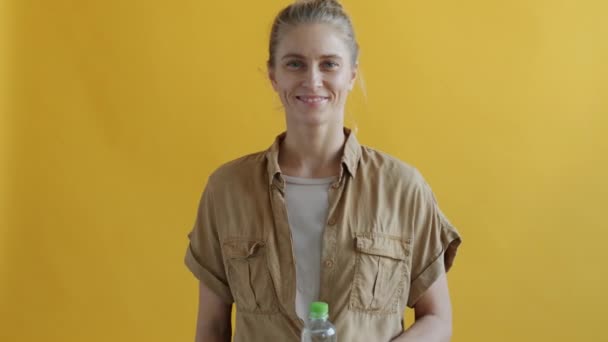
x=120, y=110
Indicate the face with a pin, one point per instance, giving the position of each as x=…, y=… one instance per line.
x=313, y=74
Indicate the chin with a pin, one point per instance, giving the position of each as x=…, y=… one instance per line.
x=314, y=119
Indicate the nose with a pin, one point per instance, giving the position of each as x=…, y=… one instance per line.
x=313, y=78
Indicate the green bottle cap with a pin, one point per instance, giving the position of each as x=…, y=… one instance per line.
x=319, y=310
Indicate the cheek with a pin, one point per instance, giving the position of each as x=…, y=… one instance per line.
x=284, y=85
x=341, y=83
x=341, y=89
x=284, y=91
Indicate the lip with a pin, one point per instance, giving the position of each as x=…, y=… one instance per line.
x=312, y=99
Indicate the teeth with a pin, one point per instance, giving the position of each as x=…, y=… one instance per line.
x=311, y=99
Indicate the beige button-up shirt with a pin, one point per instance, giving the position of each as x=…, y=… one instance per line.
x=386, y=241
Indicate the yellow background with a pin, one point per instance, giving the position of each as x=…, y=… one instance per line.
x=115, y=112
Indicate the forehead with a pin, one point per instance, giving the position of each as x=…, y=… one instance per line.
x=312, y=40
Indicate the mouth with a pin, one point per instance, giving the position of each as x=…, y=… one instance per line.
x=312, y=100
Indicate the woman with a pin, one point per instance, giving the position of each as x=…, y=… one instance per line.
x=318, y=216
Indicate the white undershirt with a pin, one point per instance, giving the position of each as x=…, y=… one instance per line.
x=307, y=205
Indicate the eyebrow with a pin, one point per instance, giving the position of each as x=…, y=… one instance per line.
x=296, y=55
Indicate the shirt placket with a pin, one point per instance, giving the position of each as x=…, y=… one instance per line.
x=329, y=246
x=282, y=265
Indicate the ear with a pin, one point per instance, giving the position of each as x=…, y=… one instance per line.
x=353, y=76
x=271, y=77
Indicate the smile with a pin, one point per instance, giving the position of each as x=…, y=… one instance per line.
x=312, y=99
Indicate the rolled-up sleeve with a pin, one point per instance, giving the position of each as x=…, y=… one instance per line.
x=435, y=242
x=204, y=255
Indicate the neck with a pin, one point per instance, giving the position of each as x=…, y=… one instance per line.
x=312, y=152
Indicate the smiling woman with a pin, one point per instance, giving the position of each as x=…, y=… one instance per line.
x=317, y=216
x=313, y=75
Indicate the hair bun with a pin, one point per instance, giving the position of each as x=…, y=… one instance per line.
x=322, y=3
x=332, y=3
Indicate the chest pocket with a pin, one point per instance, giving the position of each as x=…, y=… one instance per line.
x=249, y=277
x=381, y=273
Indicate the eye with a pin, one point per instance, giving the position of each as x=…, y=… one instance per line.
x=294, y=64
x=330, y=65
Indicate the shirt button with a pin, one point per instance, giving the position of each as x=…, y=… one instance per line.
x=332, y=222
x=329, y=263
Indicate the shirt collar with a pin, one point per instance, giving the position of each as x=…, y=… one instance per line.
x=350, y=156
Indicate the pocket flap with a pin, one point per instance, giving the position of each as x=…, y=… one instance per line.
x=242, y=249
x=387, y=246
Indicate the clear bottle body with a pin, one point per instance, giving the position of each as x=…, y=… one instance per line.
x=319, y=330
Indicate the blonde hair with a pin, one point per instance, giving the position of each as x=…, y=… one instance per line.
x=313, y=12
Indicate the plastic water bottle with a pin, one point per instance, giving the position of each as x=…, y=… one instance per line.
x=318, y=328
